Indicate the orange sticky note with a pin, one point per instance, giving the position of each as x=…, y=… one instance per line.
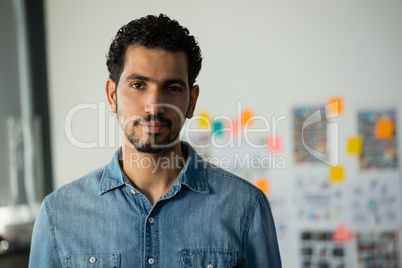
x=263, y=184
x=246, y=114
x=354, y=145
x=384, y=128
x=336, y=109
x=204, y=118
x=342, y=233
x=336, y=174
x=274, y=143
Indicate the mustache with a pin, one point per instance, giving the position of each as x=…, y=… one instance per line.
x=152, y=117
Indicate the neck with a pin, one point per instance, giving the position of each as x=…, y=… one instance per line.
x=152, y=174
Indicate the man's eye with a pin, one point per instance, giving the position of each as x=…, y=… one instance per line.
x=174, y=89
x=137, y=85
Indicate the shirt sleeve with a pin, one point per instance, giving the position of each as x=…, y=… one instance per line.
x=43, y=251
x=261, y=244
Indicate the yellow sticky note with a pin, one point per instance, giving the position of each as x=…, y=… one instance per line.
x=337, y=105
x=263, y=184
x=336, y=174
x=354, y=145
x=384, y=128
x=245, y=116
x=203, y=119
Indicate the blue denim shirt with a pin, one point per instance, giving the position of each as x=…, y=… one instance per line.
x=209, y=218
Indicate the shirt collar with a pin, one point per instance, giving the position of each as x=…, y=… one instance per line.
x=112, y=176
x=192, y=174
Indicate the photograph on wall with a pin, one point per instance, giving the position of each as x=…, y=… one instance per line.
x=318, y=249
x=379, y=139
x=314, y=135
x=378, y=250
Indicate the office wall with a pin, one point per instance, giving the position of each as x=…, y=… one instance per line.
x=270, y=55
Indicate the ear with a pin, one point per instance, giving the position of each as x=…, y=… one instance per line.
x=194, y=91
x=111, y=94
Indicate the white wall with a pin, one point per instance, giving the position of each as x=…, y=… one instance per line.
x=268, y=54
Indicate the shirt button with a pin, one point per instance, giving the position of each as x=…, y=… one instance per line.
x=210, y=266
x=151, y=261
x=132, y=191
x=151, y=220
x=92, y=259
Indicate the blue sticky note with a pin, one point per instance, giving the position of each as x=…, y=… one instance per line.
x=218, y=127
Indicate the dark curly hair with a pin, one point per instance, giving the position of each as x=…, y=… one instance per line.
x=154, y=32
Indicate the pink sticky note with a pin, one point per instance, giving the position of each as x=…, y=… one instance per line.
x=274, y=143
x=342, y=233
x=233, y=126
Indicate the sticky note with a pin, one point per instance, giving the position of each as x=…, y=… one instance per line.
x=246, y=114
x=384, y=128
x=218, y=127
x=274, y=143
x=263, y=184
x=354, y=145
x=337, y=107
x=203, y=119
x=341, y=233
x=232, y=126
x=336, y=174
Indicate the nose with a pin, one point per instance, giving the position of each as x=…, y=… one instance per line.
x=154, y=103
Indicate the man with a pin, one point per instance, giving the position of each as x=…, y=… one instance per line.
x=157, y=203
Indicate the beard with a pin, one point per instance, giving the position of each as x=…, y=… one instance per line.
x=150, y=142
x=150, y=147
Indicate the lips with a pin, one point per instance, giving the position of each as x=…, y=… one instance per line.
x=153, y=126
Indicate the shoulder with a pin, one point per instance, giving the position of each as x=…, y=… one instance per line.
x=87, y=184
x=227, y=181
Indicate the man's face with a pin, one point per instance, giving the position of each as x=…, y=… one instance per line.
x=153, y=97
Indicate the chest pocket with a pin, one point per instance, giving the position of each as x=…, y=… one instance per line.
x=93, y=261
x=208, y=258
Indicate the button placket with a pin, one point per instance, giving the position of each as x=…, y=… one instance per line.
x=151, y=237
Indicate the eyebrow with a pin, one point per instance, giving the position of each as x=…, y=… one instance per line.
x=148, y=79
